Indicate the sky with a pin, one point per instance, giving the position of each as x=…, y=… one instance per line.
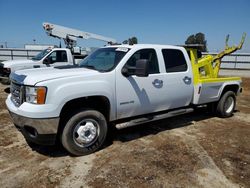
x=151, y=21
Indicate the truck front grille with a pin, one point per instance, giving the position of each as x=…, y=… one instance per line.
x=16, y=91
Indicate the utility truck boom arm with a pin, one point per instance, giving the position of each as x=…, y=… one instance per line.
x=70, y=35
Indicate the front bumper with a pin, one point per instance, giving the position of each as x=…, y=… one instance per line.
x=4, y=75
x=4, y=80
x=37, y=130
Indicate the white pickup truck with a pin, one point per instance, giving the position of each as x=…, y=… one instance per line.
x=46, y=58
x=123, y=85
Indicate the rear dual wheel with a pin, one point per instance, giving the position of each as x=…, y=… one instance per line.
x=225, y=106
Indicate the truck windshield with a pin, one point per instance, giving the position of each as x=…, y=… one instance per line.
x=43, y=53
x=104, y=59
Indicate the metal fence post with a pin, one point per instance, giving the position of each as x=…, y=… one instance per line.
x=235, y=61
x=11, y=53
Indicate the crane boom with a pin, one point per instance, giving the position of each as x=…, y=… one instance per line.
x=208, y=66
x=70, y=35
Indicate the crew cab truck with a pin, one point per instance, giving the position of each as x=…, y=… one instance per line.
x=123, y=85
x=46, y=58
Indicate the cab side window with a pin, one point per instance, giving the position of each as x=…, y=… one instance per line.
x=58, y=56
x=174, y=60
x=148, y=54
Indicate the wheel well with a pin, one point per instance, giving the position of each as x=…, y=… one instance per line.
x=233, y=88
x=99, y=103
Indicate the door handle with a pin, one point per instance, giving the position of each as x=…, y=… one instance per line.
x=187, y=80
x=157, y=82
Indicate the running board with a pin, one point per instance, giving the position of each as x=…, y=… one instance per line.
x=153, y=118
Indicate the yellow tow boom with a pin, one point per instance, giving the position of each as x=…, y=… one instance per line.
x=208, y=66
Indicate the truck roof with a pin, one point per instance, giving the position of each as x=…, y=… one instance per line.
x=146, y=46
x=56, y=48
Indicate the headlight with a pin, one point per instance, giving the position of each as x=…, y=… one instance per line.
x=35, y=95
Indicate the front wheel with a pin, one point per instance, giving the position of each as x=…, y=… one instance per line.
x=84, y=133
x=226, y=105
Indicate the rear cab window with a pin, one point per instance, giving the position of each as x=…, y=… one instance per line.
x=58, y=56
x=174, y=60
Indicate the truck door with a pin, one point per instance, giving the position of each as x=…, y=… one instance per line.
x=140, y=95
x=170, y=88
x=177, y=79
x=57, y=58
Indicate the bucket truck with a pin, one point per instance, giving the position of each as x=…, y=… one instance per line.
x=53, y=56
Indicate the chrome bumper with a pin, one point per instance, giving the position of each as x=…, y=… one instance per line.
x=42, y=126
x=39, y=131
x=4, y=80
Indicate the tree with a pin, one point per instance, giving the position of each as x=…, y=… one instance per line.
x=190, y=40
x=125, y=42
x=131, y=41
x=198, y=38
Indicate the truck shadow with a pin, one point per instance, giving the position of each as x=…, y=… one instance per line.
x=52, y=151
x=135, y=132
x=152, y=128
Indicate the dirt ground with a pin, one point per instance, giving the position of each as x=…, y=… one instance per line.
x=193, y=150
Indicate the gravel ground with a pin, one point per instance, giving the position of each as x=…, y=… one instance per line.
x=192, y=150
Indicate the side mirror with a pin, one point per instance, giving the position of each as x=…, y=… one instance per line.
x=141, y=69
x=47, y=61
x=125, y=71
x=142, y=66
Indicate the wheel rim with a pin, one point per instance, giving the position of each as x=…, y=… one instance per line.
x=229, y=104
x=86, y=132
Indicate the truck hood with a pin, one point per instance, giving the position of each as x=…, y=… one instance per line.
x=33, y=76
x=9, y=64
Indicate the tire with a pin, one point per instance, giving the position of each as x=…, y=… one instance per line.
x=226, y=104
x=84, y=133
